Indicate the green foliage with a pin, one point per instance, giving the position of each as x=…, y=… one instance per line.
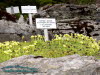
x=58, y=47
x=38, y=3
x=19, y=2
x=7, y=16
x=17, y=15
x=76, y=1
x=43, y=2
x=27, y=2
x=2, y=5
x=25, y=16
x=85, y=1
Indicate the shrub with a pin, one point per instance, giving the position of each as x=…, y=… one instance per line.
x=7, y=16
x=17, y=15
x=58, y=47
x=3, y=5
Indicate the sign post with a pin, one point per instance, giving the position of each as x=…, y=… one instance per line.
x=45, y=23
x=12, y=10
x=29, y=10
x=30, y=19
x=46, y=34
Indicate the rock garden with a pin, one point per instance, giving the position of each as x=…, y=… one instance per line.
x=73, y=47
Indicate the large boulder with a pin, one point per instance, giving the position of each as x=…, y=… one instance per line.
x=68, y=65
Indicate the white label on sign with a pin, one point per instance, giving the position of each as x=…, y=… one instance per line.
x=28, y=9
x=8, y=10
x=45, y=23
x=14, y=9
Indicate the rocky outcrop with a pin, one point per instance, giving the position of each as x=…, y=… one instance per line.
x=83, y=19
x=68, y=65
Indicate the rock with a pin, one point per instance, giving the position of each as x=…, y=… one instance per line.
x=67, y=11
x=71, y=18
x=21, y=19
x=68, y=65
x=14, y=30
x=9, y=37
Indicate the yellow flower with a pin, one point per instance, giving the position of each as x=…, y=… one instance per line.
x=14, y=43
x=8, y=51
x=26, y=51
x=31, y=45
x=81, y=42
x=35, y=42
x=25, y=47
x=64, y=45
x=32, y=37
x=10, y=46
x=1, y=45
x=39, y=35
x=23, y=37
x=25, y=41
x=7, y=43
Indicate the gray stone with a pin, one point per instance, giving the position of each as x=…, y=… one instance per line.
x=14, y=30
x=68, y=65
x=21, y=19
x=9, y=37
